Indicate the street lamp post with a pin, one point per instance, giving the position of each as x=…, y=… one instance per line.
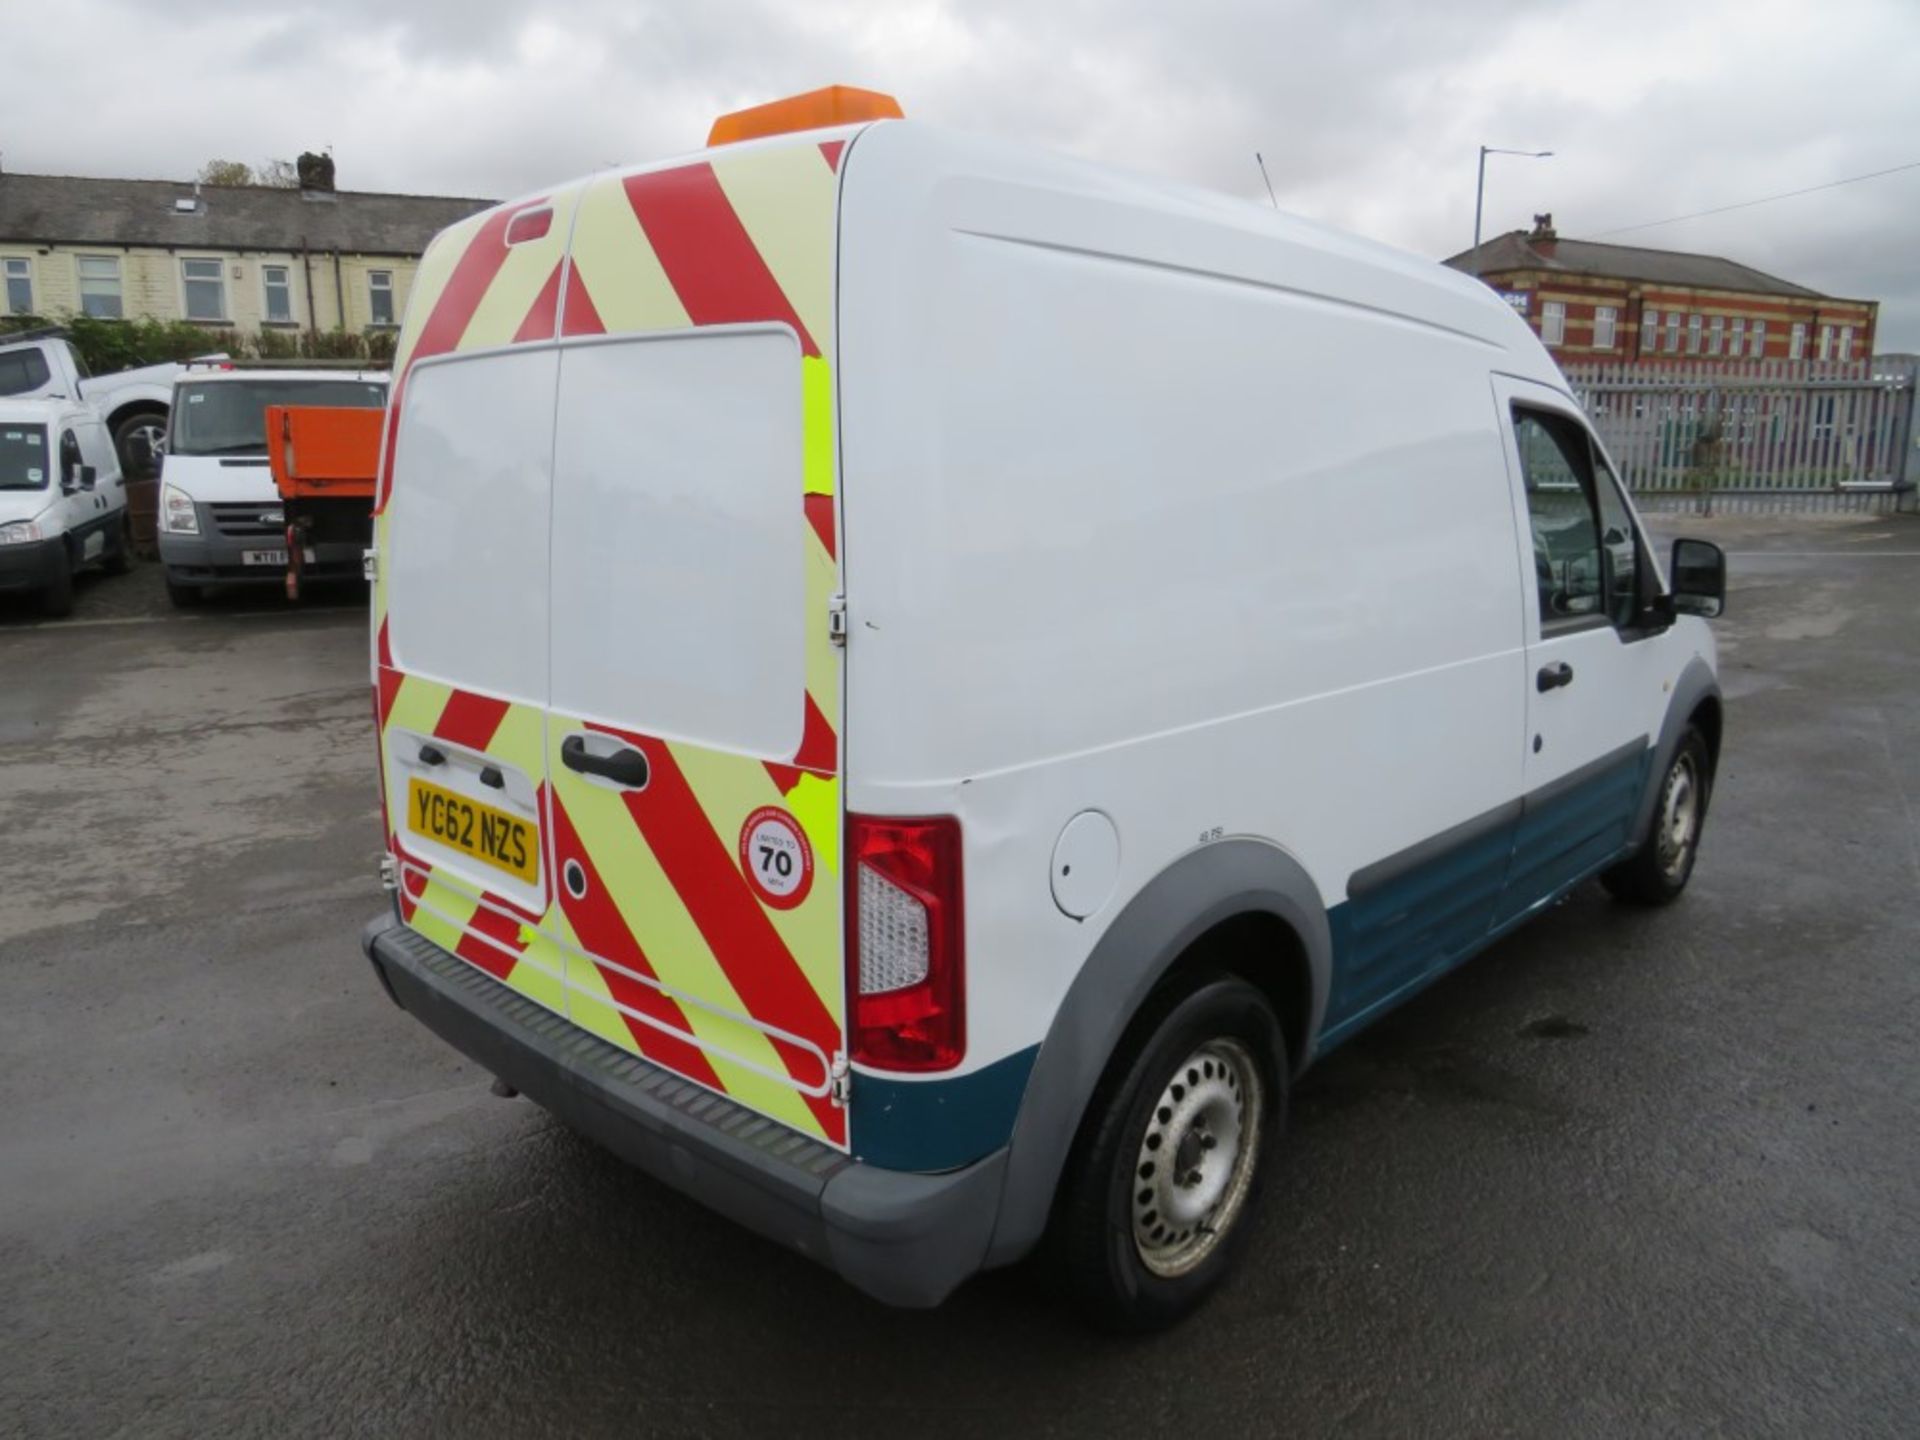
x=1480, y=187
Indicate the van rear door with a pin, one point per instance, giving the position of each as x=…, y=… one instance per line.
x=692, y=738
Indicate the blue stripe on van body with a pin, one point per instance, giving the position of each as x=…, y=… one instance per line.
x=1568, y=831
x=931, y=1125
x=1391, y=939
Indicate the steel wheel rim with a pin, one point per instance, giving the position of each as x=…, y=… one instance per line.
x=153, y=433
x=1679, y=817
x=1196, y=1160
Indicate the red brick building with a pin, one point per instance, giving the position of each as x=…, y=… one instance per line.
x=1594, y=302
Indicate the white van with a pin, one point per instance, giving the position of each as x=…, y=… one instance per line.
x=63, y=502
x=921, y=682
x=221, y=522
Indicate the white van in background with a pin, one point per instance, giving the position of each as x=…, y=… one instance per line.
x=921, y=682
x=63, y=502
x=221, y=522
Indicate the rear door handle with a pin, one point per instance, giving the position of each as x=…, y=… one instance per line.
x=1552, y=677
x=624, y=767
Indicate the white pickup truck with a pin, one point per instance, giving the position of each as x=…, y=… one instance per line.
x=38, y=364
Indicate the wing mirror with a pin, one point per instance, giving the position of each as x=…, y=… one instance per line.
x=1699, y=578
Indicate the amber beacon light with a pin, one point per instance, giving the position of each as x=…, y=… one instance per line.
x=815, y=110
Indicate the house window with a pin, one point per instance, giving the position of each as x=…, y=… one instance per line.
x=380, y=296
x=1846, y=342
x=1673, y=332
x=1693, y=334
x=1603, y=327
x=1716, y=335
x=100, y=286
x=1738, y=338
x=19, y=286
x=1826, y=342
x=1553, y=322
x=277, y=281
x=205, y=285
x=1650, y=332
x=1797, y=344
x=1757, y=347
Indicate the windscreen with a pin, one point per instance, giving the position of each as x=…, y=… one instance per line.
x=229, y=417
x=23, y=457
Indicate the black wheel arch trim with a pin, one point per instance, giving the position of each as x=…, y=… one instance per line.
x=1200, y=890
x=1696, y=685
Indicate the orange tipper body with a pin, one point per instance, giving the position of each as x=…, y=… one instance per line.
x=324, y=451
x=635, y=912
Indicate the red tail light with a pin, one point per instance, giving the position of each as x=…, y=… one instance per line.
x=906, y=950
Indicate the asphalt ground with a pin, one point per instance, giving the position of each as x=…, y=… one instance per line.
x=1627, y=1173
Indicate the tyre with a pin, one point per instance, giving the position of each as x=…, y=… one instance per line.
x=182, y=597
x=119, y=558
x=56, y=600
x=137, y=439
x=1658, y=871
x=1169, y=1160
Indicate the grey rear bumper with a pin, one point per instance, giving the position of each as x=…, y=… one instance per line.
x=906, y=1239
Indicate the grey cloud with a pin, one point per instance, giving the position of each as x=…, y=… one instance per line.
x=1368, y=112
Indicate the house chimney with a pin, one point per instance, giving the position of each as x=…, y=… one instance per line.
x=315, y=171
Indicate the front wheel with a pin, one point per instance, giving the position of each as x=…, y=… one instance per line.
x=182, y=597
x=1658, y=871
x=1170, y=1158
x=56, y=599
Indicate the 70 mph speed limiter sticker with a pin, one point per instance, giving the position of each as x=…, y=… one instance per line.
x=776, y=858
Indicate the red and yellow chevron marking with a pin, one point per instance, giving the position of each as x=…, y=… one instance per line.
x=669, y=952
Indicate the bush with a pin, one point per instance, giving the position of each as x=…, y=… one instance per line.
x=110, y=345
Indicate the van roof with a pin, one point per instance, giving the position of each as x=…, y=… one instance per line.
x=222, y=376
x=1371, y=274
x=46, y=410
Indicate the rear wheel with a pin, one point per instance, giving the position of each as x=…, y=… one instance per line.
x=1170, y=1158
x=137, y=439
x=56, y=599
x=1658, y=871
x=119, y=557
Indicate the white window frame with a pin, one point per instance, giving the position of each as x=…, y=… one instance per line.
x=1673, y=332
x=1825, y=346
x=1797, y=344
x=1649, y=330
x=81, y=282
x=1736, y=337
x=20, y=268
x=1695, y=324
x=1757, y=340
x=225, y=317
x=1553, y=322
x=1604, y=317
x=376, y=287
x=1846, y=342
x=1716, y=335
x=267, y=289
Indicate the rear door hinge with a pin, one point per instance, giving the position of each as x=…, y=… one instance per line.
x=840, y=1089
x=369, y=565
x=837, y=619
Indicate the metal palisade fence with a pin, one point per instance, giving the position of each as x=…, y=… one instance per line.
x=1758, y=435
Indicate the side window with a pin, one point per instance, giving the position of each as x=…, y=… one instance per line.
x=1622, y=547
x=1586, y=555
x=69, y=456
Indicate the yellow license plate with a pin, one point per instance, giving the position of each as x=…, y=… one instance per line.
x=490, y=836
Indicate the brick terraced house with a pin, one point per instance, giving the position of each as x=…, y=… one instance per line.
x=1594, y=302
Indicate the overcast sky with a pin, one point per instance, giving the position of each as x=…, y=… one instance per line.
x=1369, y=112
